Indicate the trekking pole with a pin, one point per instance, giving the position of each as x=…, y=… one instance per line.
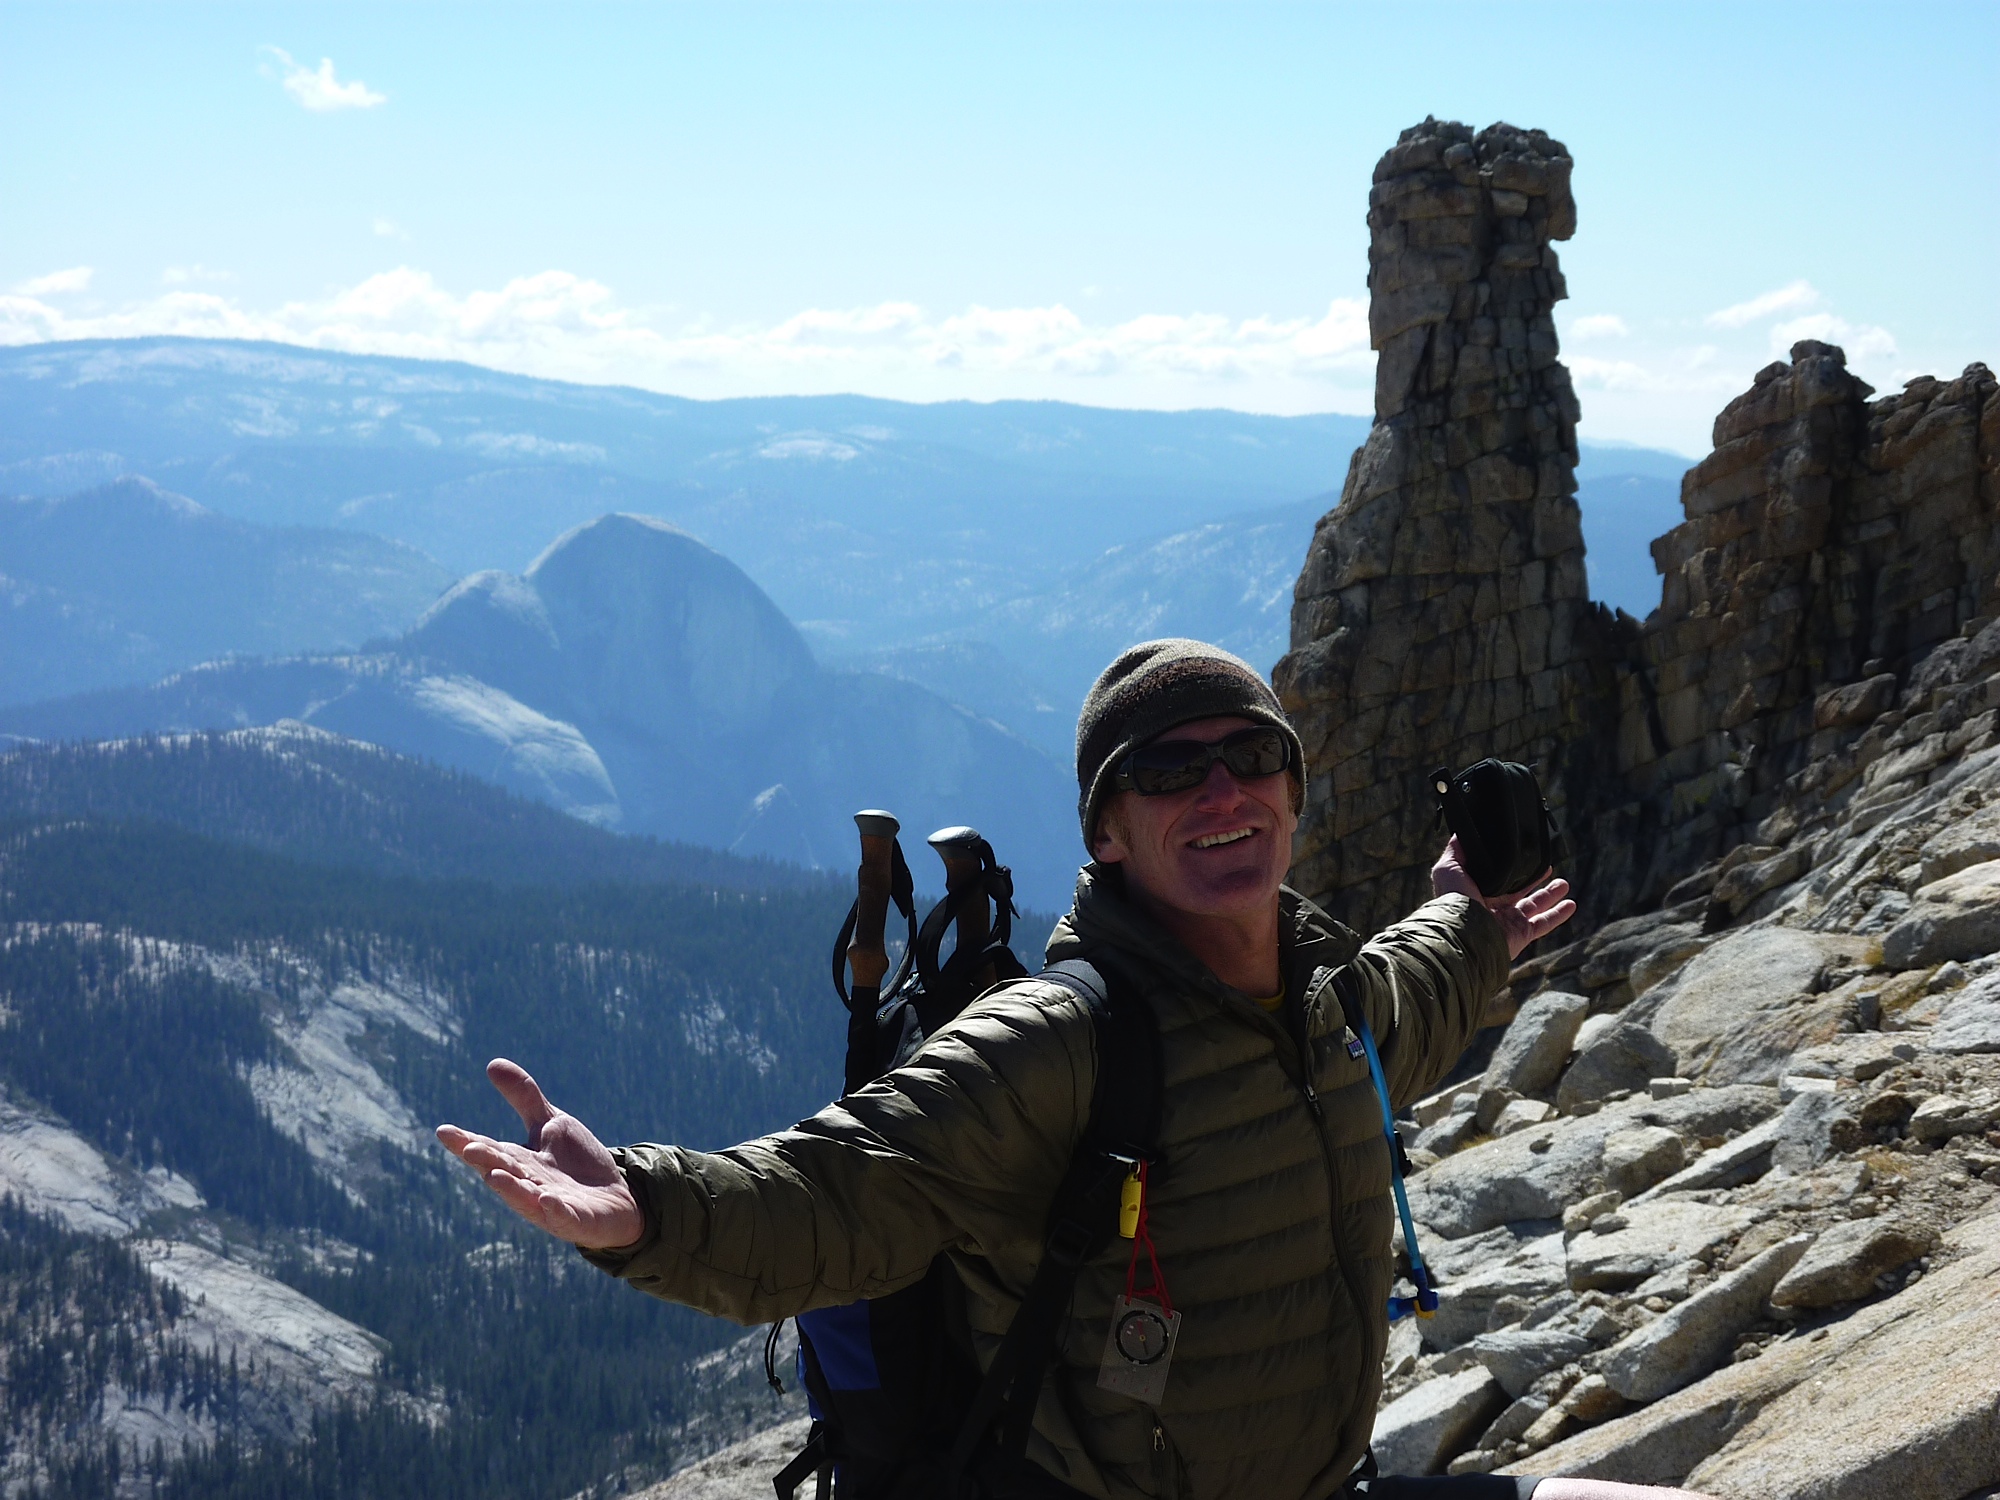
x=867, y=953
x=963, y=868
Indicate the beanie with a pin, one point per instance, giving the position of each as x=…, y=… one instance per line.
x=1151, y=688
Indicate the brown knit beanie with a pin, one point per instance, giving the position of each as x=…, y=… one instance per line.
x=1148, y=690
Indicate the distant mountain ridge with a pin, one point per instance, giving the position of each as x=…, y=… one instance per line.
x=637, y=679
x=873, y=524
x=127, y=582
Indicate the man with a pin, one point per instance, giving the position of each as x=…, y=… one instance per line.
x=1270, y=1205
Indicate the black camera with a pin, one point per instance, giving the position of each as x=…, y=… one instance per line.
x=1504, y=827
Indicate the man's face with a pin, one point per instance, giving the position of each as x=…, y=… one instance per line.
x=1217, y=850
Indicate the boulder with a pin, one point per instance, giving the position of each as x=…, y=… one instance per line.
x=1635, y=1159
x=1521, y=1114
x=1675, y=947
x=1862, y=1056
x=1428, y=1110
x=1944, y=1116
x=1518, y=1357
x=1537, y=1173
x=1745, y=1005
x=1618, y=947
x=1626, y=1056
x=1531, y=1055
x=1689, y=1340
x=1901, y=1398
x=1910, y=1407
x=1731, y=1164
x=1960, y=844
x=1647, y=1239
x=1971, y=1019
x=1449, y=1133
x=1476, y=1273
x=1814, y=1126
x=1844, y=1262
x=1956, y=917
x=1423, y=1430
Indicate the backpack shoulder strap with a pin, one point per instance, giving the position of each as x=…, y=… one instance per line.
x=1125, y=1097
x=1124, y=1126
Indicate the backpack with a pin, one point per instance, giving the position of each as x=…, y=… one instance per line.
x=900, y=1411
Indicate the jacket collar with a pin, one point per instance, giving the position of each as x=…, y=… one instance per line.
x=1104, y=917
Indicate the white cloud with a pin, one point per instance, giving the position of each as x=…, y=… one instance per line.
x=1860, y=340
x=565, y=326
x=75, y=279
x=1599, y=326
x=319, y=91
x=389, y=229
x=1785, y=299
x=182, y=275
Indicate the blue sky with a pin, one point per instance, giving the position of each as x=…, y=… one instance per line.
x=1120, y=204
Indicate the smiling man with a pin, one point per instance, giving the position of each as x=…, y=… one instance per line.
x=1268, y=1203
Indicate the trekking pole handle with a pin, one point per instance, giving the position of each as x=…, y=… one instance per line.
x=867, y=955
x=959, y=849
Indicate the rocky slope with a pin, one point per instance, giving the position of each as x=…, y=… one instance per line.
x=1725, y=1206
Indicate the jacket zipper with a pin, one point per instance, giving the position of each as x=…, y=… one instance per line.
x=1166, y=1465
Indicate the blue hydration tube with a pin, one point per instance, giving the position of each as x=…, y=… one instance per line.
x=1425, y=1303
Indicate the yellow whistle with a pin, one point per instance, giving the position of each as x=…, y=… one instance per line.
x=1128, y=1206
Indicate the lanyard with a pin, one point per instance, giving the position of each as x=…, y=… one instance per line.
x=1142, y=1240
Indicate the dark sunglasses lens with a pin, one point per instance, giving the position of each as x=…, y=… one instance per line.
x=1176, y=765
x=1169, y=766
x=1256, y=752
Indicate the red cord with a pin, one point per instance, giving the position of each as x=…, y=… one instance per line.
x=1142, y=1239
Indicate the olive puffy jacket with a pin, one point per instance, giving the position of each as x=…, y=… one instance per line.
x=1271, y=1212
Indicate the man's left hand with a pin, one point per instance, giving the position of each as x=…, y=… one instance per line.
x=1524, y=916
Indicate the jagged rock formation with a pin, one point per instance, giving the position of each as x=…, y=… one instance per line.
x=1443, y=613
x=1829, y=540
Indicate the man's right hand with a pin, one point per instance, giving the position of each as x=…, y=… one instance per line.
x=563, y=1180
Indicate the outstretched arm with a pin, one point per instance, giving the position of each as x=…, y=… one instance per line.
x=563, y=1180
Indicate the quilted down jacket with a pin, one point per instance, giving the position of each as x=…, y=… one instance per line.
x=1270, y=1209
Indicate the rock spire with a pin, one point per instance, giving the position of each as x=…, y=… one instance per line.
x=1443, y=614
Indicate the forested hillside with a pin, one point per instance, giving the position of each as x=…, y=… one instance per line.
x=326, y=799
x=233, y=1263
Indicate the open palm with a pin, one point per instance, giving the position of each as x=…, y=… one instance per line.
x=563, y=1180
x=1524, y=915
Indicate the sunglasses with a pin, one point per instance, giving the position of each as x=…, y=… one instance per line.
x=1176, y=765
